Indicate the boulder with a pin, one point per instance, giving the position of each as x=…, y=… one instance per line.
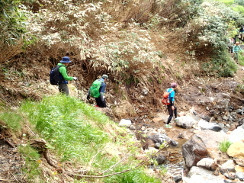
x=204, y=125
x=239, y=168
x=228, y=166
x=240, y=176
x=124, y=110
x=237, y=134
x=125, y=122
x=161, y=159
x=161, y=138
x=200, y=175
x=211, y=140
x=185, y=121
x=236, y=150
x=193, y=151
x=207, y=163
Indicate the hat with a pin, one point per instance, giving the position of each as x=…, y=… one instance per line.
x=65, y=60
x=173, y=85
x=105, y=76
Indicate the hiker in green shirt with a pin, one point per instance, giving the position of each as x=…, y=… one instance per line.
x=63, y=88
x=236, y=50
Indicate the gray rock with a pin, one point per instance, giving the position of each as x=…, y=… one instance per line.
x=204, y=125
x=125, y=122
x=193, y=151
x=236, y=135
x=228, y=181
x=160, y=159
x=157, y=145
x=228, y=166
x=173, y=143
x=200, y=175
x=226, y=118
x=132, y=127
x=211, y=141
x=207, y=163
x=240, y=176
x=239, y=161
x=159, y=138
x=230, y=175
x=177, y=178
x=240, y=111
x=185, y=121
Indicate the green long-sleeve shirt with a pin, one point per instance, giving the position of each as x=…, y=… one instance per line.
x=63, y=71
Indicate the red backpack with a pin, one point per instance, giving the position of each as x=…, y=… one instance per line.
x=165, y=99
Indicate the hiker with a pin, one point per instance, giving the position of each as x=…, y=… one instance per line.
x=99, y=93
x=241, y=33
x=236, y=50
x=230, y=45
x=171, y=107
x=236, y=35
x=62, y=86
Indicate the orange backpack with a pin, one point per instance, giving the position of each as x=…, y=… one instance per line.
x=165, y=99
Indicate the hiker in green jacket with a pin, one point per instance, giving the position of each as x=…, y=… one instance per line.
x=236, y=50
x=97, y=91
x=63, y=88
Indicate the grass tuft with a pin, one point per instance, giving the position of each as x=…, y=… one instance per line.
x=223, y=146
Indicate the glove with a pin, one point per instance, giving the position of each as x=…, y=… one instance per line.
x=75, y=78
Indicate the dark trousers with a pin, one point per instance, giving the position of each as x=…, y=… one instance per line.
x=100, y=102
x=63, y=88
x=171, y=113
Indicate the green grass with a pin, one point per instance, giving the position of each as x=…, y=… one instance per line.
x=134, y=176
x=32, y=161
x=223, y=146
x=239, y=9
x=12, y=120
x=241, y=59
x=66, y=123
x=227, y=2
x=80, y=134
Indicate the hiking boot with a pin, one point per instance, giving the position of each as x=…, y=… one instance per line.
x=168, y=126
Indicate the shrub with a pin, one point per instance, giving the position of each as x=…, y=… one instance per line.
x=12, y=21
x=227, y=2
x=206, y=33
x=177, y=13
x=133, y=54
x=240, y=2
x=14, y=35
x=221, y=65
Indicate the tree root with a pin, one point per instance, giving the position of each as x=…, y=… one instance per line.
x=80, y=176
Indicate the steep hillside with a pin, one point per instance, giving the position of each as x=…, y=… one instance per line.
x=143, y=46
